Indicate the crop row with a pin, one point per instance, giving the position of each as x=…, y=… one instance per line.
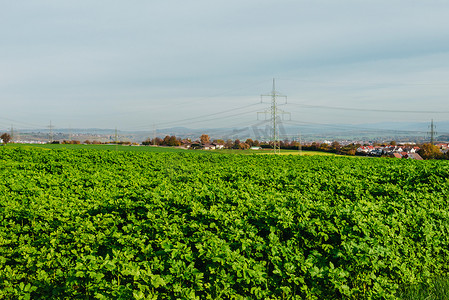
x=85, y=224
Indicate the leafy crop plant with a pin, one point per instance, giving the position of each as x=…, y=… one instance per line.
x=85, y=224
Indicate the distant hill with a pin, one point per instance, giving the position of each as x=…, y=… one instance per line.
x=399, y=131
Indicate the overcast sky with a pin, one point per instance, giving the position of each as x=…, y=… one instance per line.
x=132, y=64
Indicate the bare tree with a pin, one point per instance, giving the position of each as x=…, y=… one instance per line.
x=6, y=138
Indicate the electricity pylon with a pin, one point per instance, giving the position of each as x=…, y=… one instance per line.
x=432, y=132
x=154, y=134
x=274, y=113
x=51, y=132
x=12, y=134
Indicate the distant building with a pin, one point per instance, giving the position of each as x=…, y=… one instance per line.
x=218, y=145
x=208, y=147
x=414, y=156
x=195, y=145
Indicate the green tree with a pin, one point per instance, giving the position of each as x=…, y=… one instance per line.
x=349, y=149
x=335, y=146
x=323, y=147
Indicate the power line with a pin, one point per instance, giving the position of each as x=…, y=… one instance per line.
x=200, y=118
x=214, y=119
x=367, y=83
x=349, y=127
x=274, y=113
x=252, y=129
x=33, y=125
x=221, y=94
x=372, y=110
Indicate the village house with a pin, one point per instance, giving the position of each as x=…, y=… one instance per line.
x=208, y=147
x=414, y=156
x=443, y=147
x=391, y=151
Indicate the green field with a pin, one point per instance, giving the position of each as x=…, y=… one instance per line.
x=109, y=147
x=159, y=149
x=82, y=224
x=270, y=152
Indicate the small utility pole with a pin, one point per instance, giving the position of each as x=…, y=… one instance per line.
x=154, y=134
x=299, y=145
x=274, y=114
x=116, y=139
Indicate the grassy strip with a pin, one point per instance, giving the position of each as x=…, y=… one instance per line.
x=436, y=289
x=109, y=147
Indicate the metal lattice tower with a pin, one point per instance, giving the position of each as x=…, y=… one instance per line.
x=274, y=113
x=51, y=132
x=12, y=134
x=432, y=132
x=154, y=134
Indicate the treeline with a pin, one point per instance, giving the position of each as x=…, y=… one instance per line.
x=173, y=141
x=95, y=142
x=430, y=151
x=334, y=147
